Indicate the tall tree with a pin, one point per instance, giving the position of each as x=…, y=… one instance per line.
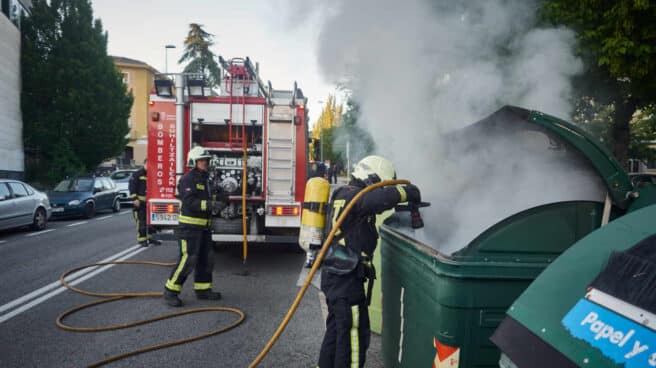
x=75, y=105
x=618, y=44
x=330, y=117
x=198, y=56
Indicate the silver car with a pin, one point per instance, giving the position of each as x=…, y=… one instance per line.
x=122, y=180
x=22, y=205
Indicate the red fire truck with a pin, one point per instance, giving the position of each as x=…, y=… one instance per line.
x=246, y=124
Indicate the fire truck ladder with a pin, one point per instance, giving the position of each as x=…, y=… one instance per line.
x=235, y=139
x=282, y=159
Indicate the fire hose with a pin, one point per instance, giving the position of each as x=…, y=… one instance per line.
x=315, y=267
x=112, y=297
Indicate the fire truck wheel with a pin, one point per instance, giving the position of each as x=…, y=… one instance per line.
x=89, y=209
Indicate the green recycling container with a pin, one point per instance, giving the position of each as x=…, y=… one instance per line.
x=440, y=309
x=443, y=309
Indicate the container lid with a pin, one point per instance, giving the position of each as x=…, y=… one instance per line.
x=562, y=287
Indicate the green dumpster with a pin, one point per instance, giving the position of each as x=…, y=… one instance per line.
x=441, y=308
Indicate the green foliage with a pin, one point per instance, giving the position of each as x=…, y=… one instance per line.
x=643, y=137
x=617, y=41
x=200, y=58
x=75, y=105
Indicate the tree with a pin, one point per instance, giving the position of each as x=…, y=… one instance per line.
x=75, y=105
x=330, y=117
x=350, y=133
x=617, y=41
x=198, y=56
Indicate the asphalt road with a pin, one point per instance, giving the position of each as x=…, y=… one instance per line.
x=31, y=300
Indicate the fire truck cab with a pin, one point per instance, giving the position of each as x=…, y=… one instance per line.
x=245, y=124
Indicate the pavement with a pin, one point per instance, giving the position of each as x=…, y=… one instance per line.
x=31, y=300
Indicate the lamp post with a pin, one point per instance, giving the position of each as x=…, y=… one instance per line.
x=166, y=57
x=320, y=135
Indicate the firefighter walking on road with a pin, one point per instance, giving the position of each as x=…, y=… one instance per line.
x=194, y=236
x=348, y=261
x=137, y=188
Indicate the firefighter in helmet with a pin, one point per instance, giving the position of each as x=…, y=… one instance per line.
x=194, y=237
x=348, y=261
x=137, y=187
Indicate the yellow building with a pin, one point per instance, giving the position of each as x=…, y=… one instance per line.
x=139, y=78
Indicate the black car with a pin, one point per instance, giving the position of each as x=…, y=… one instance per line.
x=84, y=196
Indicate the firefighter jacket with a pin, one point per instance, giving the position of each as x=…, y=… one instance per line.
x=357, y=237
x=137, y=185
x=194, y=194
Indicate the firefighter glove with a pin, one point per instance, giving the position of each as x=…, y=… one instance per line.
x=412, y=193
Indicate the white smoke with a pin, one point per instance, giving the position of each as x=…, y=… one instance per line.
x=422, y=68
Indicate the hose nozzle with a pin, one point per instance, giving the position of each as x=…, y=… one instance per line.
x=415, y=216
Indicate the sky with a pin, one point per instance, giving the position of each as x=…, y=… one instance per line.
x=280, y=37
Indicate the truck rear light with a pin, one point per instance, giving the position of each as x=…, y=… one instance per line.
x=284, y=210
x=164, y=208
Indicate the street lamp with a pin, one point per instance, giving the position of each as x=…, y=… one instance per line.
x=164, y=87
x=195, y=87
x=320, y=136
x=166, y=57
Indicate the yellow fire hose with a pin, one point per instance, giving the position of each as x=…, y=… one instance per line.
x=111, y=297
x=315, y=267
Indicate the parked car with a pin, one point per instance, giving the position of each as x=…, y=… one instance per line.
x=122, y=180
x=84, y=196
x=22, y=205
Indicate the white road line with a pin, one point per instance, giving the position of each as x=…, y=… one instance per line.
x=104, y=218
x=70, y=278
x=2, y=241
x=77, y=223
x=40, y=232
x=124, y=212
x=61, y=289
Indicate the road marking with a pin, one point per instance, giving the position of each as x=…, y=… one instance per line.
x=61, y=289
x=104, y=218
x=2, y=241
x=124, y=212
x=40, y=232
x=77, y=223
x=70, y=278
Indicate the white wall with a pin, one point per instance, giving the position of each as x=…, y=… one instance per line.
x=11, y=124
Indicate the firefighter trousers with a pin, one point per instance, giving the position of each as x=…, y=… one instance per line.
x=139, y=214
x=347, y=335
x=195, y=255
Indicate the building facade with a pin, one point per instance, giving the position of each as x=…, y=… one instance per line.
x=139, y=78
x=12, y=156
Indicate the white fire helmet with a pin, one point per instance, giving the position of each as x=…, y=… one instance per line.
x=195, y=154
x=373, y=169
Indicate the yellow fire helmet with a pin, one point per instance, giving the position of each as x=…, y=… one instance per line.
x=195, y=154
x=373, y=169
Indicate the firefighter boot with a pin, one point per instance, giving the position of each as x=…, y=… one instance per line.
x=154, y=242
x=208, y=295
x=171, y=298
x=144, y=244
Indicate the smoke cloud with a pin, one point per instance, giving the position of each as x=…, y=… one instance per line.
x=421, y=69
